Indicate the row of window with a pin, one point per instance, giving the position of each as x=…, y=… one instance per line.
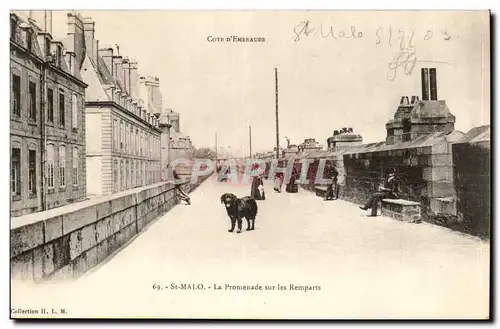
x=135, y=109
x=130, y=140
x=52, y=165
x=52, y=117
x=129, y=173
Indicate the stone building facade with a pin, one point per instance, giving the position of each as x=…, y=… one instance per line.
x=175, y=145
x=123, y=135
x=47, y=122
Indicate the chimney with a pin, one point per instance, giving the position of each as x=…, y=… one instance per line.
x=118, y=69
x=344, y=130
x=414, y=99
x=425, y=84
x=349, y=130
x=126, y=74
x=404, y=101
x=89, y=32
x=134, y=80
x=433, y=84
x=335, y=132
x=95, y=49
x=107, y=57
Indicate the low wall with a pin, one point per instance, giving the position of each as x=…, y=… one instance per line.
x=425, y=169
x=472, y=179
x=66, y=242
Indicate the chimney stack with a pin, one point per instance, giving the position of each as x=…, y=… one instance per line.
x=433, y=84
x=118, y=69
x=335, y=132
x=414, y=99
x=89, y=32
x=425, y=84
x=134, y=80
x=349, y=130
x=404, y=100
x=126, y=74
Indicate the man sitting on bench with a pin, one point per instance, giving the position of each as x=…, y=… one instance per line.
x=388, y=191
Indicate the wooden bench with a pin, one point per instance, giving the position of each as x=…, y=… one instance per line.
x=404, y=210
x=320, y=190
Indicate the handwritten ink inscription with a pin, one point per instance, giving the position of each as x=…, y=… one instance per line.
x=406, y=58
x=382, y=34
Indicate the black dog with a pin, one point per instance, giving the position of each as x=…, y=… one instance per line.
x=238, y=208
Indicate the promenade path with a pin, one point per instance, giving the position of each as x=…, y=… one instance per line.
x=365, y=267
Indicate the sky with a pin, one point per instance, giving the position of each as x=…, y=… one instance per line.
x=325, y=83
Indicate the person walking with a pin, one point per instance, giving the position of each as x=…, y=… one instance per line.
x=292, y=186
x=278, y=181
x=388, y=191
x=182, y=195
x=257, y=188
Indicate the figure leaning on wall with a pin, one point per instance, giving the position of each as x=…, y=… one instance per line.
x=177, y=182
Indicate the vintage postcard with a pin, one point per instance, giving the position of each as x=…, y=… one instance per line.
x=250, y=164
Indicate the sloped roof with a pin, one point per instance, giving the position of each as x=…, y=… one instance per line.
x=421, y=141
x=477, y=134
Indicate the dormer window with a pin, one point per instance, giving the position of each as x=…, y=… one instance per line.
x=59, y=56
x=47, y=46
x=13, y=28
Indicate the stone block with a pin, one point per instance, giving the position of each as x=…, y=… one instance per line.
x=25, y=238
x=443, y=205
x=141, y=196
x=22, y=267
x=112, y=244
x=441, y=148
x=141, y=210
x=82, y=240
x=53, y=228
x=102, y=229
x=103, y=210
x=424, y=160
x=89, y=237
x=79, y=266
x=120, y=238
x=61, y=248
x=116, y=222
x=440, y=189
x=43, y=261
x=102, y=251
x=442, y=173
x=78, y=219
x=441, y=160
x=140, y=224
x=62, y=274
x=123, y=203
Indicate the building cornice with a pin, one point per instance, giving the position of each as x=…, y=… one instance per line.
x=97, y=104
x=68, y=75
x=24, y=50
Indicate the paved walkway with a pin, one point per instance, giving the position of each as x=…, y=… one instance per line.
x=365, y=267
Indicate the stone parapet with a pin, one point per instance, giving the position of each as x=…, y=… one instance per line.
x=66, y=242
